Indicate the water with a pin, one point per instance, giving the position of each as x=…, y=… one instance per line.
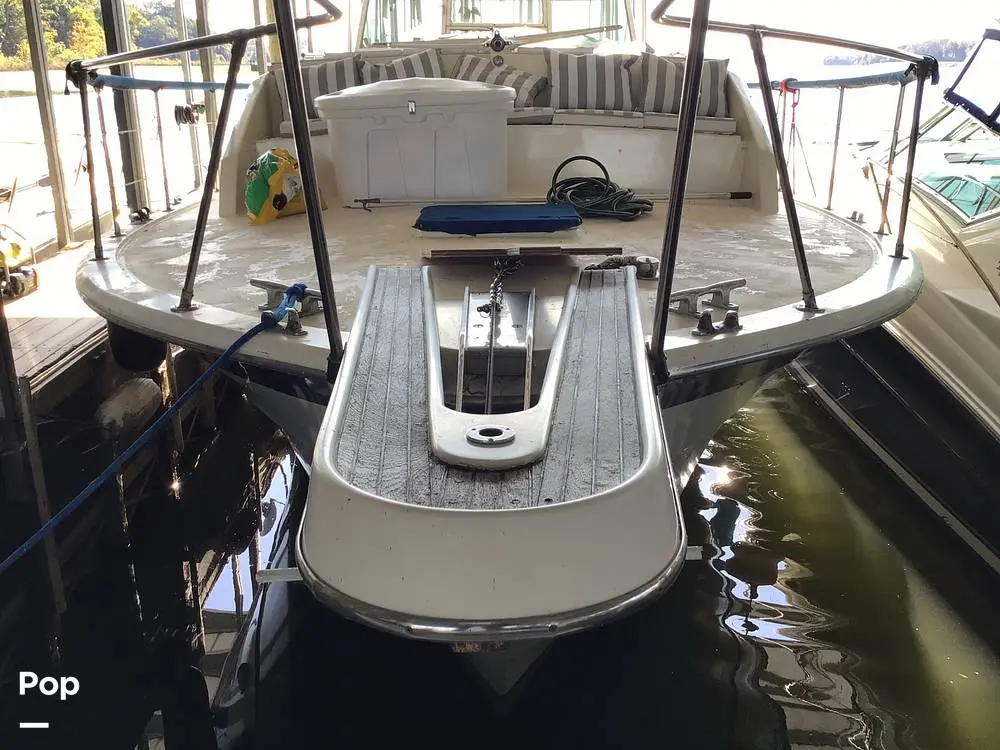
x=873, y=626
x=832, y=614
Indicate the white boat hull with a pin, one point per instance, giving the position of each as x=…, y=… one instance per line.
x=687, y=425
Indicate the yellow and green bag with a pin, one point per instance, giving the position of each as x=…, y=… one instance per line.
x=274, y=187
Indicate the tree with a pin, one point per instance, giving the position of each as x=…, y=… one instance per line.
x=137, y=22
x=12, y=31
x=86, y=37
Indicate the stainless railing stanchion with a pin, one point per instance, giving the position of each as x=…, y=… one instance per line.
x=80, y=79
x=284, y=23
x=187, y=292
x=894, y=144
x=928, y=66
x=836, y=148
x=107, y=162
x=163, y=150
x=678, y=183
x=808, y=294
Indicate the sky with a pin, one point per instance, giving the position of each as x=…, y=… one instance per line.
x=877, y=21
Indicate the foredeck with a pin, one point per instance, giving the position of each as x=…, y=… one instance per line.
x=595, y=442
x=720, y=241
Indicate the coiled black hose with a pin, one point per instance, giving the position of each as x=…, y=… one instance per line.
x=596, y=196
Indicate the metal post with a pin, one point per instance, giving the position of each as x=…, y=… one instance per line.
x=12, y=466
x=234, y=564
x=805, y=160
x=187, y=293
x=43, y=95
x=207, y=59
x=181, y=20
x=42, y=502
x=284, y=22
x=163, y=151
x=261, y=53
x=808, y=295
x=107, y=162
x=836, y=145
x=95, y=211
x=117, y=36
x=678, y=182
x=253, y=553
x=884, y=222
x=911, y=155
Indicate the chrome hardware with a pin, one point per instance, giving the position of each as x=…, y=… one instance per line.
x=490, y=434
x=687, y=299
x=312, y=301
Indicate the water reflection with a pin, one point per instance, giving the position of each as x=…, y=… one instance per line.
x=826, y=615
x=854, y=638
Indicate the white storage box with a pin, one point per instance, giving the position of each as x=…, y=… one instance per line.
x=419, y=138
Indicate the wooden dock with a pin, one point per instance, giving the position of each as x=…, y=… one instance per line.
x=51, y=328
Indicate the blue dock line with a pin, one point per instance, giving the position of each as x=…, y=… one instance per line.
x=268, y=320
x=123, y=83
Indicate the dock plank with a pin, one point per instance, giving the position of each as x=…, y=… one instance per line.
x=51, y=323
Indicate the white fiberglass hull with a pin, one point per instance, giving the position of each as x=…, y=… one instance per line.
x=687, y=425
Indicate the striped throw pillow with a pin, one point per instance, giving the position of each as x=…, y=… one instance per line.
x=526, y=85
x=590, y=81
x=663, y=79
x=320, y=78
x=423, y=64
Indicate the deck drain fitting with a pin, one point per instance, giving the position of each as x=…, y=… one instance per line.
x=490, y=434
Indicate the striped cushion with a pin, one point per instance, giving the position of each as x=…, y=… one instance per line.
x=527, y=85
x=318, y=79
x=423, y=64
x=663, y=78
x=590, y=81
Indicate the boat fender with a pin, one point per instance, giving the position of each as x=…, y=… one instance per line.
x=135, y=352
x=126, y=411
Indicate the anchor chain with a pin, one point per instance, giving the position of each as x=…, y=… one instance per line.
x=505, y=268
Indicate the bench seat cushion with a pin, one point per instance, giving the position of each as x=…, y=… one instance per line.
x=614, y=118
x=662, y=121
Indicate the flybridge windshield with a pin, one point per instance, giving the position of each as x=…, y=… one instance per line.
x=975, y=90
x=392, y=21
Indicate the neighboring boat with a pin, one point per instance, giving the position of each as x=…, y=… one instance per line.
x=535, y=357
x=923, y=391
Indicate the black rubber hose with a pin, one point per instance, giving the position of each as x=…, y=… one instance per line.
x=595, y=197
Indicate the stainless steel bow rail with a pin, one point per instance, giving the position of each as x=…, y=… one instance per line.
x=922, y=67
x=284, y=27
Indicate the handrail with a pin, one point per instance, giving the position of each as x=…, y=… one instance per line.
x=922, y=67
x=896, y=77
x=727, y=27
x=284, y=27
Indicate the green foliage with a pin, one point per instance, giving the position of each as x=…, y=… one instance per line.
x=73, y=29
x=12, y=31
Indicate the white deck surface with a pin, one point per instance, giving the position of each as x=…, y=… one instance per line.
x=720, y=241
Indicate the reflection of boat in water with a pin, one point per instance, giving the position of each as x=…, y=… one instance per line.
x=923, y=390
x=496, y=455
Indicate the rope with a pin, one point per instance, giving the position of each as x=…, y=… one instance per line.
x=268, y=320
x=594, y=197
x=187, y=114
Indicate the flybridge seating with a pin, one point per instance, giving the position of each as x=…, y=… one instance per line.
x=554, y=87
x=620, y=108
